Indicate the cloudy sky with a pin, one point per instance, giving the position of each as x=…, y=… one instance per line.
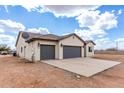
x=102, y=24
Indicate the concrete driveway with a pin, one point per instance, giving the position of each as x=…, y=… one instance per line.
x=82, y=66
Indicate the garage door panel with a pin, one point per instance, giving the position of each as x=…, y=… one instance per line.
x=71, y=51
x=47, y=52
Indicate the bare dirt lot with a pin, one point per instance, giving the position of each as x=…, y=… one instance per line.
x=14, y=72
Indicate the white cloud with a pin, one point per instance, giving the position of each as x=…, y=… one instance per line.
x=106, y=21
x=61, y=10
x=113, y=11
x=88, y=18
x=32, y=7
x=7, y=39
x=39, y=30
x=84, y=34
x=120, y=42
x=97, y=24
x=68, y=10
x=9, y=25
x=119, y=12
x=6, y=8
x=1, y=30
x=96, y=20
x=104, y=43
x=90, y=34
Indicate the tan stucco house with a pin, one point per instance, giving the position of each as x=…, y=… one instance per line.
x=36, y=47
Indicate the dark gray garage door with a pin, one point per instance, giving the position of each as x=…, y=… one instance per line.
x=71, y=51
x=47, y=52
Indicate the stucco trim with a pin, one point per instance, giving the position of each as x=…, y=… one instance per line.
x=72, y=35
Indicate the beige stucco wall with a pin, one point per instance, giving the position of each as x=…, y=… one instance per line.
x=88, y=54
x=71, y=41
x=34, y=48
x=26, y=53
x=37, y=48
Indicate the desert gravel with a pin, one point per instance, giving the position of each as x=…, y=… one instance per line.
x=15, y=73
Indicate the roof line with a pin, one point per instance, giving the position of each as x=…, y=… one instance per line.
x=88, y=41
x=59, y=38
x=66, y=36
x=18, y=37
x=32, y=39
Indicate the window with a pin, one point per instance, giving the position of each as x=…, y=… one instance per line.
x=21, y=49
x=90, y=49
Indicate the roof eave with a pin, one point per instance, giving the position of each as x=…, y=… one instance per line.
x=18, y=38
x=34, y=39
x=72, y=35
x=91, y=42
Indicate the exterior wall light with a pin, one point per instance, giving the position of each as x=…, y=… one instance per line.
x=61, y=44
x=38, y=44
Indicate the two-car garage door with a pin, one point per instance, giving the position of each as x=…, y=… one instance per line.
x=48, y=52
x=71, y=51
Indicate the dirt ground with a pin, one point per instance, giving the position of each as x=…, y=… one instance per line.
x=14, y=72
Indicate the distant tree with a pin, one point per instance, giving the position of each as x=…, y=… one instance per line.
x=4, y=47
x=111, y=49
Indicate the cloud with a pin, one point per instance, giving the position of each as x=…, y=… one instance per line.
x=6, y=8
x=10, y=40
x=60, y=10
x=90, y=34
x=96, y=20
x=7, y=39
x=104, y=43
x=120, y=42
x=88, y=18
x=1, y=30
x=84, y=34
x=94, y=24
x=119, y=12
x=68, y=10
x=32, y=7
x=13, y=27
x=9, y=25
x=91, y=21
x=39, y=30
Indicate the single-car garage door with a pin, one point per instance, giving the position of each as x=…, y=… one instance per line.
x=71, y=51
x=47, y=52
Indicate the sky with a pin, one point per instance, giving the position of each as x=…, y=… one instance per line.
x=102, y=24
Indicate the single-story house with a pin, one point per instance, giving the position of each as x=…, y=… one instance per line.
x=36, y=47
